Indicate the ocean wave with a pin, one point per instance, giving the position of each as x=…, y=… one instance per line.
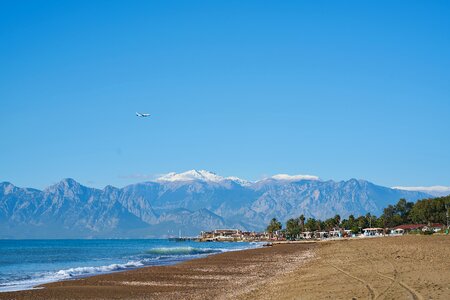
x=80, y=271
x=42, y=278
x=153, y=256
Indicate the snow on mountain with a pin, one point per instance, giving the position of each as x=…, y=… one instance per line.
x=438, y=191
x=287, y=177
x=198, y=175
x=239, y=180
x=191, y=201
x=191, y=175
x=207, y=176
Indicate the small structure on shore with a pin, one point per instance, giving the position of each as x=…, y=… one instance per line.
x=397, y=231
x=307, y=235
x=334, y=233
x=435, y=227
x=373, y=231
x=237, y=235
x=406, y=228
x=232, y=235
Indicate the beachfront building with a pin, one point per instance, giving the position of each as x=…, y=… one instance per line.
x=348, y=233
x=254, y=236
x=278, y=235
x=307, y=235
x=397, y=231
x=333, y=234
x=408, y=228
x=435, y=227
x=367, y=232
x=221, y=235
x=233, y=235
x=321, y=234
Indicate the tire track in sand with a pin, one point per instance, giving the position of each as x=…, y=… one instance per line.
x=376, y=271
x=415, y=295
x=393, y=282
x=372, y=294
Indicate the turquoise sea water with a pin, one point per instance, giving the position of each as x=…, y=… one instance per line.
x=27, y=263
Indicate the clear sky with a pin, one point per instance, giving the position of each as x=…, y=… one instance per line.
x=337, y=89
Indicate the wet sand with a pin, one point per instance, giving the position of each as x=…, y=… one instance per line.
x=218, y=276
x=408, y=267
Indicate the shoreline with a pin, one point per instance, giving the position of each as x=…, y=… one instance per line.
x=402, y=267
x=166, y=255
x=191, y=279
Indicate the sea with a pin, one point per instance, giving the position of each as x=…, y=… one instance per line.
x=24, y=264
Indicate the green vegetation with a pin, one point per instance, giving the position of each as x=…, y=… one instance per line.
x=274, y=225
x=426, y=211
x=430, y=211
x=292, y=228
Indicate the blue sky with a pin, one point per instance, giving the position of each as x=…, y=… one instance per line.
x=352, y=89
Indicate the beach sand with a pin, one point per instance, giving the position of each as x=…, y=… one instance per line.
x=408, y=267
x=405, y=267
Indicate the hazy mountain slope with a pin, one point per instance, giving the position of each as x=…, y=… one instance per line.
x=190, y=202
x=322, y=199
x=66, y=209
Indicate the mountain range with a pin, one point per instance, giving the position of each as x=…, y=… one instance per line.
x=185, y=203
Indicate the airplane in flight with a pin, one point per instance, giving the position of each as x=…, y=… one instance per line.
x=142, y=115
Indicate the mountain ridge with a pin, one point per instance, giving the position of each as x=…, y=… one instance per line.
x=161, y=208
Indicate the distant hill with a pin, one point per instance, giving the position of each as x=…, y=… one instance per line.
x=188, y=202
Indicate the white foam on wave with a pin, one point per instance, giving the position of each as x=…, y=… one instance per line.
x=77, y=272
x=80, y=271
x=196, y=251
x=70, y=273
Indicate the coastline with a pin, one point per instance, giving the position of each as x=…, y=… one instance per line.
x=85, y=258
x=223, y=275
x=403, y=267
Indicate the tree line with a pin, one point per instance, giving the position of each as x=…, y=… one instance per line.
x=426, y=211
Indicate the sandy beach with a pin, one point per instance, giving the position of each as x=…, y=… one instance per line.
x=407, y=267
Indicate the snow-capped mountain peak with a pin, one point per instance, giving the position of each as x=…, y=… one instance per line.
x=198, y=175
x=191, y=175
x=207, y=176
x=239, y=180
x=438, y=191
x=286, y=177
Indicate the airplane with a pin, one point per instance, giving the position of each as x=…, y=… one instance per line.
x=142, y=115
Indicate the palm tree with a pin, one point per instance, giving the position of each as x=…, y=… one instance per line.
x=337, y=220
x=369, y=219
x=274, y=225
x=302, y=222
